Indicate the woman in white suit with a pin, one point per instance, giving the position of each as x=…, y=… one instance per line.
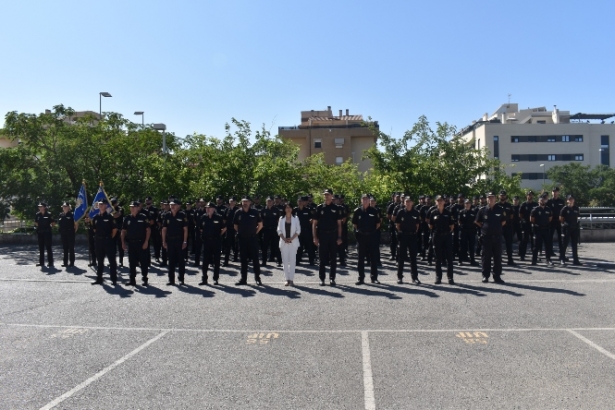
x=289, y=229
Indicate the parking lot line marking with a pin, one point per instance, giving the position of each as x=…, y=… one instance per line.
x=101, y=373
x=592, y=344
x=368, y=380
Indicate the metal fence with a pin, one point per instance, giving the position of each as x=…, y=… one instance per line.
x=597, y=218
x=11, y=225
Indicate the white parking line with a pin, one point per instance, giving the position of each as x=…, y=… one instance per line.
x=592, y=344
x=101, y=373
x=368, y=380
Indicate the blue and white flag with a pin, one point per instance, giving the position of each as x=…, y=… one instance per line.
x=81, y=204
x=100, y=195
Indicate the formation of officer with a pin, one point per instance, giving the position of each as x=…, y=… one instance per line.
x=366, y=222
x=327, y=234
x=105, y=231
x=490, y=219
x=135, y=237
x=43, y=222
x=175, y=240
x=67, y=227
x=211, y=230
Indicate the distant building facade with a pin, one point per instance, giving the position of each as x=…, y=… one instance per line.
x=339, y=138
x=532, y=141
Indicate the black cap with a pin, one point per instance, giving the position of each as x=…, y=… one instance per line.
x=530, y=192
x=475, y=197
x=175, y=201
x=42, y=204
x=488, y=194
x=483, y=196
x=65, y=204
x=421, y=196
x=219, y=197
x=460, y=196
x=135, y=203
x=210, y=205
x=164, y=202
x=148, y=198
x=467, y=201
x=366, y=196
x=569, y=196
x=233, y=199
x=103, y=201
x=305, y=198
x=556, y=189
x=438, y=197
x=336, y=196
x=516, y=197
x=257, y=196
x=327, y=191
x=277, y=197
x=544, y=195
x=246, y=198
x=114, y=201
x=502, y=192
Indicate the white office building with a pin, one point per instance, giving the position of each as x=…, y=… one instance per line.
x=531, y=141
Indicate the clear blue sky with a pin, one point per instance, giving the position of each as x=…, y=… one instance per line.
x=195, y=64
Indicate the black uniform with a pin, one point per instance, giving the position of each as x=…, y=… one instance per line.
x=393, y=232
x=119, y=220
x=66, y=226
x=104, y=224
x=367, y=221
x=43, y=229
x=556, y=206
x=135, y=232
x=152, y=216
x=198, y=239
x=327, y=232
x=341, y=249
x=270, y=218
x=491, y=232
x=425, y=232
x=517, y=222
x=163, y=251
x=570, y=232
x=247, y=227
x=508, y=230
x=306, y=239
x=408, y=222
x=191, y=249
x=441, y=224
x=467, y=228
x=526, y=227
x=210, y=229
x=230, y=240
x=542, y=216
x=455, y=209
x=174, y=240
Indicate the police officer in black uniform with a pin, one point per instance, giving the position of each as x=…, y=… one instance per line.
x=455, y=208
x=199, y=211
x=366, y=222
x=43, y=221
x=247, y=223
x=441, y=223
x=425, y=231
x=152, y=216
x=491, y=219
x=119, y=220
x=164, y=209
x=540, y=218
x=270, y=216
x=105, y=230
x=230, y=237
x=327, y=234
x=175, y=240
x=190, y=249
x=467, y=228
x=305, y=215
x=389, y=210
x=136, y=232
x=569, y=218
x=407, y=222
x=526, y=226
x=556, y=204
x=507, y=229
x=67, y=228
x=211, y=228
x=516, y=205
x=345, y=210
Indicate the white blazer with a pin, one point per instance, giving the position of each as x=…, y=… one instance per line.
x=295, y=228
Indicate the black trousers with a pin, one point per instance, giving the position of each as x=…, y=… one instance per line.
x=327, y=247
x=556, y=227
x=443, y=248
x=425, y=239
x=156, y=241
x=137, y=256
x=541, y=236
x=468, y=242
x=345, y=237
x=120, y=249
x=68, y=247
x=570, y=235
x=518, y=232
x=164, y=253
x=176, y=259
x=91, y=246
x=507, y=233
x=368, y=246
x=106, y=247
x=306, y=244
x=394, y=242
x=44, y=244
x=211, y=255
x=271, y=243
x=341, y=249
x=192, y=237
x=407, y=244
x=456, y=242
x=230, y=244
x=492, y=250
x=248, y=249
x=526, y=230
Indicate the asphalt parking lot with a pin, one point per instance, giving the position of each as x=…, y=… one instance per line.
x=544, y=340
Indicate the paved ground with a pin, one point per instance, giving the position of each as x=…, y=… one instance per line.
x=545, y=340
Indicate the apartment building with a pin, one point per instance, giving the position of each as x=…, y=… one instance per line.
x=339, y=138
x=530, y=141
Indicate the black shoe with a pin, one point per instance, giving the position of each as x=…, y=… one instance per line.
x=71, y=265
x=322, y=283
x=430, y=263
x=225, y=264
x=215, y=282
x=360, y=282
x=97, y=282
x=400, y=281
x=241, y=283
x=64, y=265
x=549, y=263
x=332, y=282
x=416, y=281
x=145, y=281
x=181, y=282
x=89, y=264
x=171, y=283
x=203, y=282
x=451, y=282
x=162, y=265
x=132, y=282
x=534, y=263
x=121, y=265
x=279, y=264
x=114, y=282
x=392, y=258
x=39, y=264
x=522, y=258
x=376, y=281
x=474, y=263
x=258, y=282
x=485, y=279
x=499, y=281
x=511, y=263
x=438, y=281
x=577, y=263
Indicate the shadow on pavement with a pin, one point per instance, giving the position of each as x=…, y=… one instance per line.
x=368, y=291
x=193, y=290
x=291, y=294
x=414, y=290
x=455, y=289
x=543, y=289
x=236, y=290
x=489, y=289
x=153, y=291
x=319, y=291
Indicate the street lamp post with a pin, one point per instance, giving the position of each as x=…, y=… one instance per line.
x=142, y=114
x=544, y=171
x=163, y=128
x=100, y=96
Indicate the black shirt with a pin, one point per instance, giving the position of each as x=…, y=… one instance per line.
x=152, y=214
x=515, y=210
x=136, y=227
x=570, y=215
x=408, y=220
x=229, y=216
x=175, y=225
x=43, y=222
x=270, y=217
x=509, y=213
x=440, y=221
x=366, y=220
x=247, y=222
x=491, y=220
x=191, y=215
x=541, y=215
x=466, y=219
x=305, y=218
x=119, y=216
x=327, y=217
x=66, y=222
x=104, y=224
x=525, y=210
x=556, y=206
x=211, y=227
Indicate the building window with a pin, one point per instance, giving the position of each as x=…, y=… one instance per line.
x=578, y=157
x=496, y=147
x=578, y=138
x=565, y=138
x=551, y=138
x=318, y=143
x=339, y=142
x=550, y=157
x=605, y=151
x=541, y=122
x=515, y=158
x=478, y=141
x=532, y=138
x=339, y=160
x=514, y=139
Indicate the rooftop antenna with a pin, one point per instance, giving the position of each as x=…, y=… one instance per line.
x=509, y=94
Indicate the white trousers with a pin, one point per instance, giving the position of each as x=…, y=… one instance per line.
x=289, y=260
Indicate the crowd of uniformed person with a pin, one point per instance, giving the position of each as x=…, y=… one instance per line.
x=443, y=231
